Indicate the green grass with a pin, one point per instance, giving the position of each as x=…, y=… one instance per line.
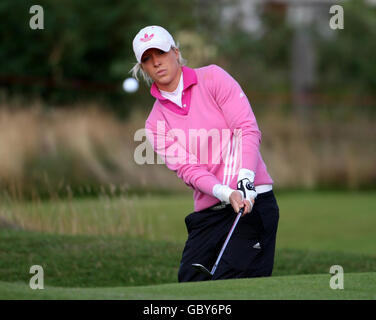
x=311, y=287
x=90, y=261
x=121, y=248
x=343, y=221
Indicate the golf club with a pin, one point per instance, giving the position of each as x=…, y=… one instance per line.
x=200, y=267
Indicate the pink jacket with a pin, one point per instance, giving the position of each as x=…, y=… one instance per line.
x=208, y=140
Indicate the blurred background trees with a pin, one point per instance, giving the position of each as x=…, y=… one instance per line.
x=85, y=49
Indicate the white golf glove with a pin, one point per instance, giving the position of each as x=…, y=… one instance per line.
x=246, y=180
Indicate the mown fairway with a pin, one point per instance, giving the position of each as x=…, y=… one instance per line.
x=312, y=287
x=137, y=241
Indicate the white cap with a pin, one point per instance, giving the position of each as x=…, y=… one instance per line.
x=152, y=37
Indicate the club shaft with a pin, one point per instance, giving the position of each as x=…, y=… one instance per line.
x=227, y=240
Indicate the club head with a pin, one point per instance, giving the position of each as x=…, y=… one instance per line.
x=202, y=269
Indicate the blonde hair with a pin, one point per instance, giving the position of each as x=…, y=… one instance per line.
x=138, y=72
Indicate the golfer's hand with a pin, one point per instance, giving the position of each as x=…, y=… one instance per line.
x=237, y=203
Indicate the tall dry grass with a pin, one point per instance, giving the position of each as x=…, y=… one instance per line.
x=79, y=148
x=320, y=152
x=76, y=148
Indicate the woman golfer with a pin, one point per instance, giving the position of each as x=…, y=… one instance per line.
x=203, y=127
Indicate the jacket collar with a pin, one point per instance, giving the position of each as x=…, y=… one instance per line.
x=189, y=79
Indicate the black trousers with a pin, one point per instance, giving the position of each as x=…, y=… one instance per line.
x=250, y=251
